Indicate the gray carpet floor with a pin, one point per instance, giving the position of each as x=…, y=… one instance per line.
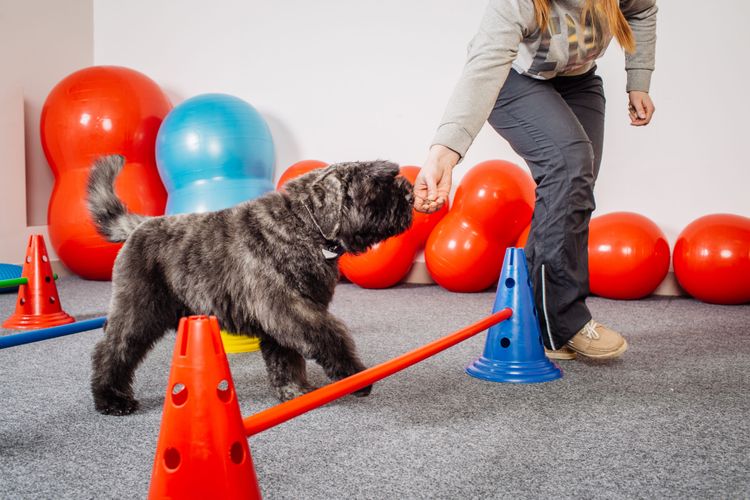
x=670, y=419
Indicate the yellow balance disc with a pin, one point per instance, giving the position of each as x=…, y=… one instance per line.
x=234, y=344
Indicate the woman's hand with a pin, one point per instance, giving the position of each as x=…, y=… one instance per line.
x=433, y=184
x=640, y=108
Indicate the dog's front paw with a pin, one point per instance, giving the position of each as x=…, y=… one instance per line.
x=291, y=391
x=363, y=392
x=113, y=404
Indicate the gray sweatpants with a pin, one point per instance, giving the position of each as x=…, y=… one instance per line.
x=557, y=126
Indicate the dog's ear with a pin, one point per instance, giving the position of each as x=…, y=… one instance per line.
x=327, y=197
x=385, y=168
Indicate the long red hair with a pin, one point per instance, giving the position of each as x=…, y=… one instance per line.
x=606, y=13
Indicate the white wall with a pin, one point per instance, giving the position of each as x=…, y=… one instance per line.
x=41, y=41
x=691, y=160
x=344, y=80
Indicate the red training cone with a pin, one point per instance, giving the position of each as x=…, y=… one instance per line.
x=202, y=450
x=38, y=304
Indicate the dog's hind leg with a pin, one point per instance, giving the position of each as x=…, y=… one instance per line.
x=130, y=332
x=286, y=369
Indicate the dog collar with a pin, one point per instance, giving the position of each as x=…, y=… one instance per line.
x=332, y=250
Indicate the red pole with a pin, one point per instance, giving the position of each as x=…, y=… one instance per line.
x=282, y=412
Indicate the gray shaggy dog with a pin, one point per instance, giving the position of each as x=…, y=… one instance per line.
x=266, y=267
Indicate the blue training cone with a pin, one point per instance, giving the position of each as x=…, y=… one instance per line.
x=514, y=351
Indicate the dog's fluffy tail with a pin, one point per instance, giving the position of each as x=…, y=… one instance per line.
x=110, y=216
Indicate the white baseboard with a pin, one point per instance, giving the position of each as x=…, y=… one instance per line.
x=670, y=287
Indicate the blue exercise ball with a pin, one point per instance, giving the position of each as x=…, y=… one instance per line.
x=212, y=152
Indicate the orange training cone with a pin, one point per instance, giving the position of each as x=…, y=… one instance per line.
x=38, y=304
x=202, y=450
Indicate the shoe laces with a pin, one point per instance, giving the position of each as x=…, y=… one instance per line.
x=589, y=330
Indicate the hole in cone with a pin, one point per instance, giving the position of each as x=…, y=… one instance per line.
x=44, y=258
x=179, y=394
x=237, y=453
x=22, y=301
x=171, y=459
x=28, y=258
x=510, y=283
x=51, y=300
x=223, y=391
x=47, y=279
x=505, y=342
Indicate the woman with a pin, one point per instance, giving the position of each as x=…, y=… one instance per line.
x=531, y=73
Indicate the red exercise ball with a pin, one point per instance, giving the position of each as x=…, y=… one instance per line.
x=493, y=204
x=500, y=196
x=97, y=111
x=422, y=223
x=299, y=168
x=628, y=256
x=460, y=257
x=712, y=259
x=524, y=237
x=383, y=265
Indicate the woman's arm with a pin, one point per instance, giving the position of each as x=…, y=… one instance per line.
x=641, y=16
x=493, y=49
x=491, y=53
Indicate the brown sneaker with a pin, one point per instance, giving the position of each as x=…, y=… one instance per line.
x=598, y=341
x=564, y=352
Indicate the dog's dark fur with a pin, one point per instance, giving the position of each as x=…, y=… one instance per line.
x=258, y=267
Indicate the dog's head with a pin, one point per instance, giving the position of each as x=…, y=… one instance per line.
x=357, y=203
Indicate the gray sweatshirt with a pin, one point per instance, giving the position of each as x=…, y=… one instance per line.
x=509, y=36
